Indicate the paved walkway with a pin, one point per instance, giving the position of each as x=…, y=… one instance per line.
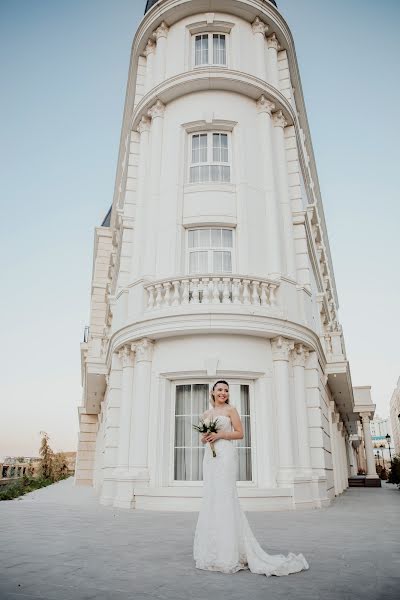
x=59, y=544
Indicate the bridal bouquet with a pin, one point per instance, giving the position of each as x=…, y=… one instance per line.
x=208, y=426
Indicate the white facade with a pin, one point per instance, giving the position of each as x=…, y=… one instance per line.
x=215, y=263
x=395, y=417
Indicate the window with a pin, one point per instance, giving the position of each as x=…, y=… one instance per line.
x=209, y=49
x=210, y=250
x=191, y=401
x=209, y=160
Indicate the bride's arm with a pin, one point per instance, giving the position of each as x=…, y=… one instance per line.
x=237, y=434
x=204, y=416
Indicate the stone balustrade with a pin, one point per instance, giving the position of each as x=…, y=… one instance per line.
x=232, y=289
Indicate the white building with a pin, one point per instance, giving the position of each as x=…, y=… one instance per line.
x=214, y=262
x=395, y=417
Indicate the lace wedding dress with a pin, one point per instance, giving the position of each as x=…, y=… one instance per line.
x=223, y=539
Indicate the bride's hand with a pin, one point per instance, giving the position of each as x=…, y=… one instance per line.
x=204, y=438
x=211, y=437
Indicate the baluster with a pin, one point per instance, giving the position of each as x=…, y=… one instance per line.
x=167, y=294
x=246, y=293
x=272, y=297
x=195, y=291
x=176, y=298
x=254, y=294
x=264, y=297
x=185, y=291
x=158, y=287
x=206, y=290
x=215, y=292
x=236, y=291
x=150, y=299
x=225, y=290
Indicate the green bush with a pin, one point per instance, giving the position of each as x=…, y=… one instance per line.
x=394, y=474
x=24, y=486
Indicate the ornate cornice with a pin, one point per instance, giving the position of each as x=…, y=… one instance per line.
x=272, y=42
x=264, y=105
x=278, y=119
x=299, y=355
x=144, y=349
x=281, y=348
x=259, y=26
x=161, y=31
x=144, y=124
x=150, y=47
x=157, y=110
x=126, y=356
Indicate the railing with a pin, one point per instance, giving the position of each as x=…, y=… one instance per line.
x=232, y=289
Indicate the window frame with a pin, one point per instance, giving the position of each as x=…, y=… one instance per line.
x=210, y=250
x=210, y=162
x=210, y=49
x=235, y=401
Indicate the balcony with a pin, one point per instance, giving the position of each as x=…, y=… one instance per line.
x=201, y=290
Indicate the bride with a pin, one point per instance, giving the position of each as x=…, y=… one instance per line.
x=223, y=539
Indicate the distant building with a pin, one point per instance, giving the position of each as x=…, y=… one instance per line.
x=395, y=417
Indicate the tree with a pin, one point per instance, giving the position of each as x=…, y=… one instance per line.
x=60, y=466
x=46, y=457
x=394, y=474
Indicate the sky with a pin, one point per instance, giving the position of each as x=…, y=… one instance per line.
x=64, y=67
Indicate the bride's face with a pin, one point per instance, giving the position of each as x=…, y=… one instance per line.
x=220, y=394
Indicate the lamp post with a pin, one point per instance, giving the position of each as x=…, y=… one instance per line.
x=388, y=438
x=378, y=455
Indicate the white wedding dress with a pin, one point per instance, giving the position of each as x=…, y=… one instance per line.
x=223, y=539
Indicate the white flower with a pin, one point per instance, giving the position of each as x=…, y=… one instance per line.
x=207, y=422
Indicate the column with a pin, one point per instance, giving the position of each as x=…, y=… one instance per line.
x=279, y=123
x=272, y=60
x=126, y=357
x=352, y=459
x=161, y=51
x=369, y=452
x=149, y=54
x=299, y=358
x=343, y=467
x=138, y=458
x=259, y=28
x=273, y=225
x=140, y=228
x=156, y=112
x=281, y=348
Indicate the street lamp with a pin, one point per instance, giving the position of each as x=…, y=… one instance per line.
x=388, y=438
x=378, y=454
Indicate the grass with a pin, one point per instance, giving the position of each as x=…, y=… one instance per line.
x=24, y=486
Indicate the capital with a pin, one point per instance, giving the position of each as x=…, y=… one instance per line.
x=272, y=42
x=281, y=348
x=150, y=47
x=278, y=119
x=157, y=110
x=126, y=356
x=265, y=105
x=143, y=349
x=299, y=355
x=144, y=124
x=259, y=26
x=161, y=31
x=365, y=416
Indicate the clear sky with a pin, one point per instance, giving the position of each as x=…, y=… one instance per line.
x=64, y=67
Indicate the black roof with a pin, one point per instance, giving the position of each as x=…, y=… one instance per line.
x=151, y=3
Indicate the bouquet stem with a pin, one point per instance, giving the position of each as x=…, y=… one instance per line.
x=213, y=449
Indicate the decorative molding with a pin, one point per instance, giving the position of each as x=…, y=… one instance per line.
x=264, y=105
x=278, y=119
x=366, y=416
x=299, y=355
x=161, y=31
x=259, y=26
x=143, y=349
x=144, y=124
x=150, y=47
x=281, y=348
x=272, y=42
x=126, y=356
x=157, y=110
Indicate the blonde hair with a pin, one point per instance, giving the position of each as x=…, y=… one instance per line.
x=213, y=388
